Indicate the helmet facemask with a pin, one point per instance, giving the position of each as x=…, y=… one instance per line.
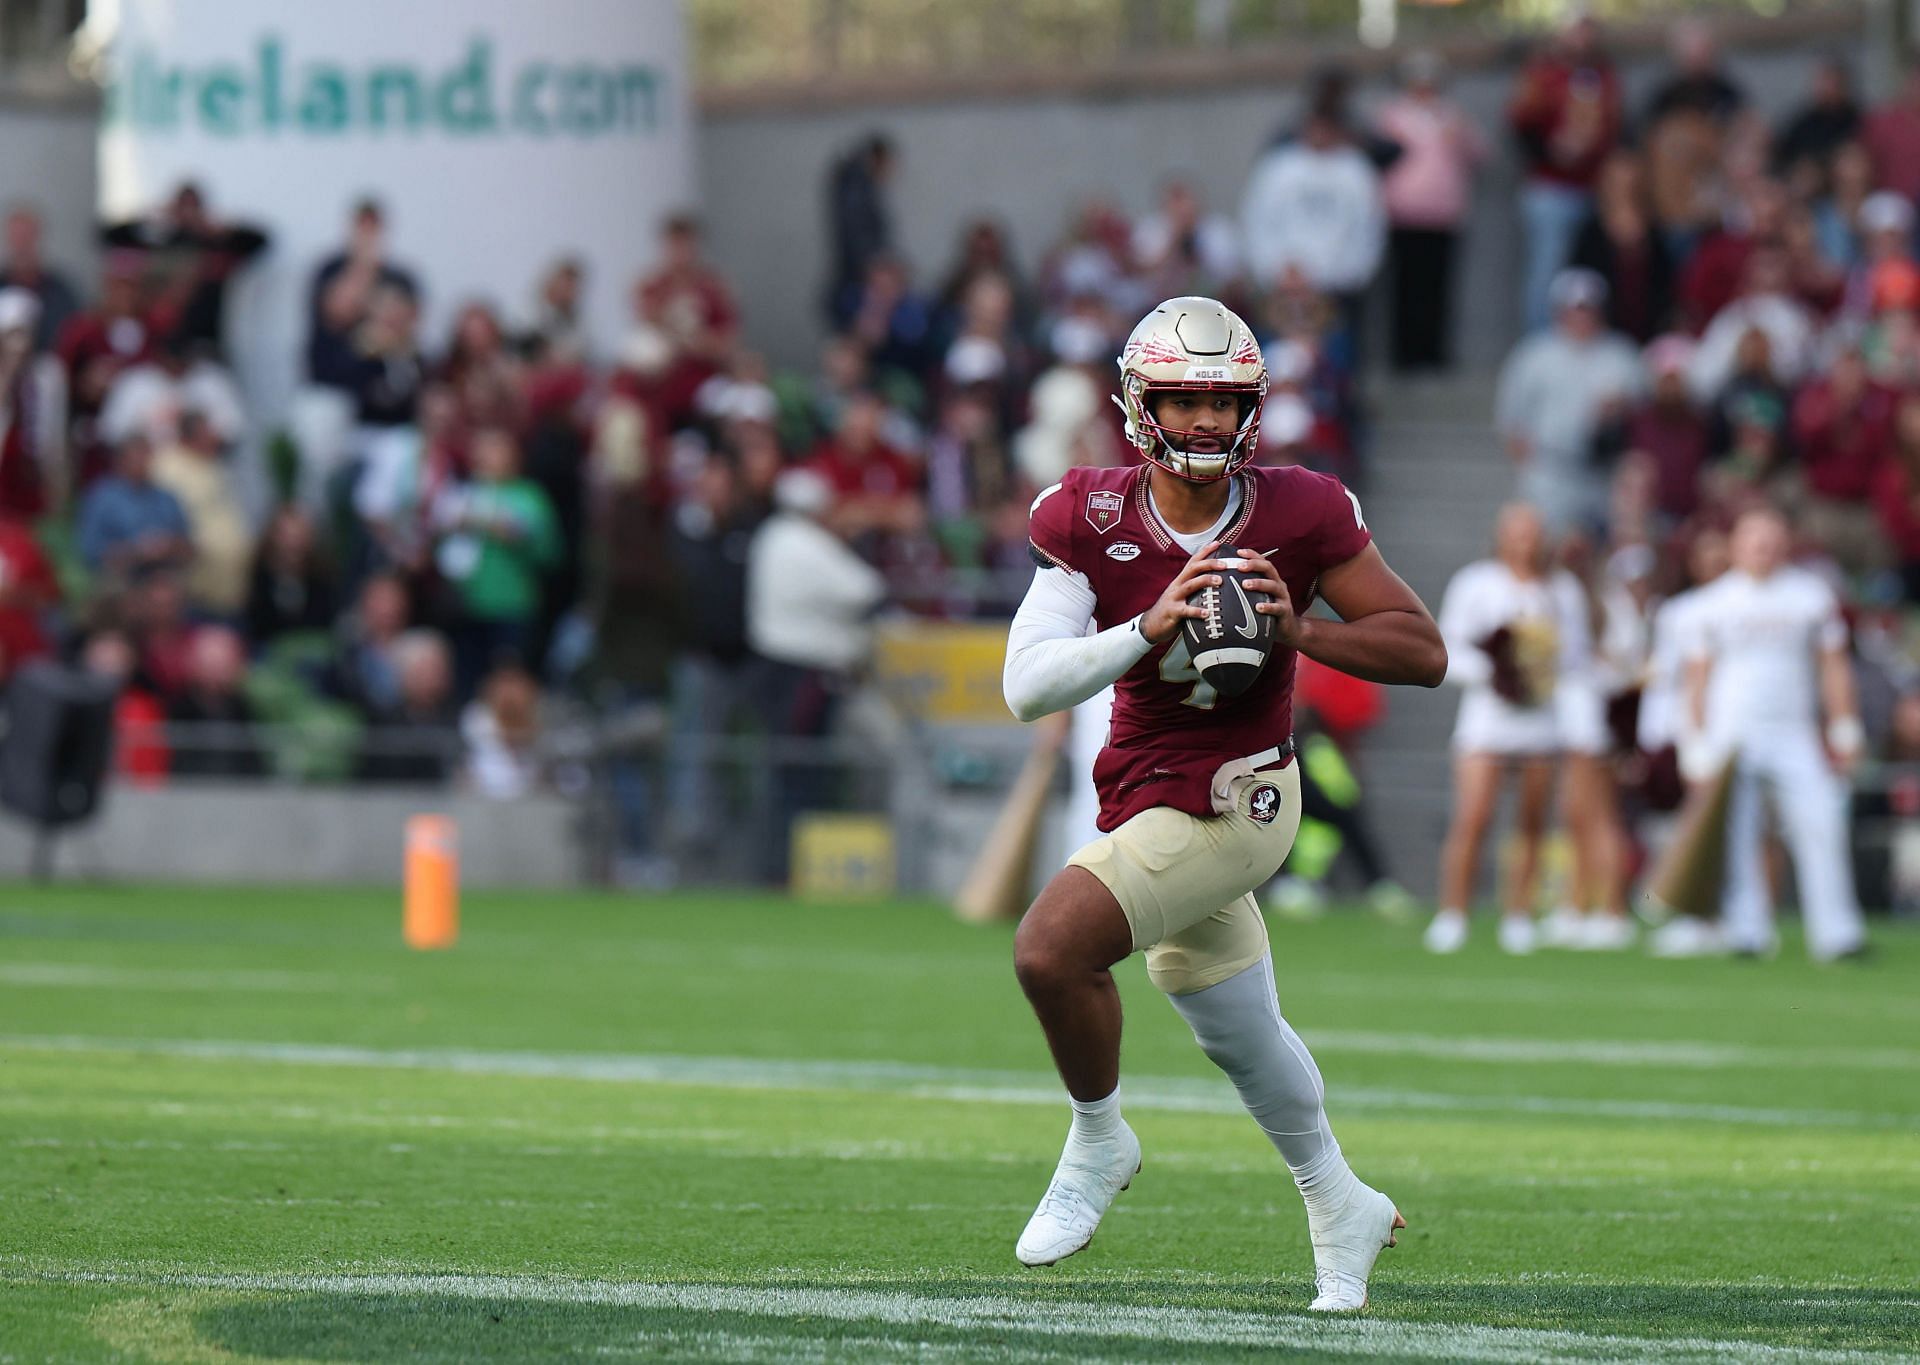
x=1164, y=446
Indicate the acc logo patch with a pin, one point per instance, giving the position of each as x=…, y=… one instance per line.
x=1103, y=510
x=1123, y=550
x=1263, y=804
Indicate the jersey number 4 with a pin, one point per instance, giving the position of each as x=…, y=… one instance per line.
x=1176, y=666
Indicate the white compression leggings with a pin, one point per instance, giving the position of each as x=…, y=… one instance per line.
x=1239, y=1026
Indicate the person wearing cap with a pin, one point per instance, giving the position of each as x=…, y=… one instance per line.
x=1883, y=251
x=1555, y=391
x=1766, y=305
x=1428, y=191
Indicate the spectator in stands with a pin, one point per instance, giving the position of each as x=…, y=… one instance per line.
x=501, y=731
x=559, y=329
x=1717, y=271
x=24, y=267
x=379, y=365
x=810, y=603
x=153, y=396
x=983, y=250
x=1766, y=305
x=140, y=751
x=217, y=738
x=499, y=539
x=406, y=470
x=1621, y=244
x=96, y=344
x=1566, y=115
x=28, y=591
x=987, y=349
x=859, y=225
x=1892, y=138
x=1882, y=240
x=875, y=487
x=686, y=304
x=193, y=468
x=1668, y=430
x=366, y=664
x=1068, y=408
x=415, y=740
x=892, y=326
x=1836, y=213
x=128, y=524
x=1805, y=147
x=192, y=256
x=154, y=611
x=1843, y=431
x=1313, y=207
x=713, y=675
x=1428, y=192
x=1094, y=261
x=343, y=294
x=1812, y=279
x=33, y=413
x=1556, y=390
x=485, y=376
x=1181, y=248
x=1699, y=83
x=292, y=588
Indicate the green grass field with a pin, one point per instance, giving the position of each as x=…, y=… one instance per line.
x=241, y=1127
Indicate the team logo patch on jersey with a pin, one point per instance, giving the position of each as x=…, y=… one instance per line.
x=1123, y=550
x=1103, y=510
x=1263, y=804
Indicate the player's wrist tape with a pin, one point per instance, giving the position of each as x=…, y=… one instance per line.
x=1846, y=735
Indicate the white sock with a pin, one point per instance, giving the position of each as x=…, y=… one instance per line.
x=1095, y=1120
x=1238, y=1024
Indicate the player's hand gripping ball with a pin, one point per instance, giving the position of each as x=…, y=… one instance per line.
x=1227, y=638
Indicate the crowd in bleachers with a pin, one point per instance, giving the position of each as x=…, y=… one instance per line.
x=459, y=533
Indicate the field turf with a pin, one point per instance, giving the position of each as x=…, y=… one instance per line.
x=243, y=1127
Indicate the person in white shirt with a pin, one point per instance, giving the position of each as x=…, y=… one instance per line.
x=1767, y=655
x=1314, y=205
x=1513, y=628
x=1555, y=390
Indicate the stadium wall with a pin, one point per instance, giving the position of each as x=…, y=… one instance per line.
x=1029, y=150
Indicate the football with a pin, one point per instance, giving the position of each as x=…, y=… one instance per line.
x=1230, y=644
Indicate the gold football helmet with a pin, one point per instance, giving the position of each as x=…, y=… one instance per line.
x=1191, y=343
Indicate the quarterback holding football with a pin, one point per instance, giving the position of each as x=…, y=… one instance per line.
x=1184, y=583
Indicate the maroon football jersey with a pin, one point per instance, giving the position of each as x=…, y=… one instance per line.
x=1171, y=732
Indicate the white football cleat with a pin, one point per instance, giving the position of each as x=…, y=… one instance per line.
x=1516, y=935
x=1447, y=933
x=1083, y=1187
x=1607, y=934
x=1346, y=1245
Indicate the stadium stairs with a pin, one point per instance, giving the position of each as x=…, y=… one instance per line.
x=1435, y=476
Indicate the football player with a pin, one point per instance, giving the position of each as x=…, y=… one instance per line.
x=1199, y=794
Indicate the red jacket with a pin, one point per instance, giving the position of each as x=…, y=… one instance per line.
x=1842, y=446
x=1547, y=113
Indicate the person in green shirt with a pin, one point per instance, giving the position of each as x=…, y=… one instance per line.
x=499, y=538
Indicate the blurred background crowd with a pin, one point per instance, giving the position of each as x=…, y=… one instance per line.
x=459, y=541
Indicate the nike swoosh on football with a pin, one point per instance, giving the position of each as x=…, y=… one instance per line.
x=1252, y=628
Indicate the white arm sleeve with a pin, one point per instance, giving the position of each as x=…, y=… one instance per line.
x=1053, y=664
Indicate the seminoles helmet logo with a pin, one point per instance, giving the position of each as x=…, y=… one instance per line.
x=1192, y=343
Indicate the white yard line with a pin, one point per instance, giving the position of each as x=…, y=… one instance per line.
x=1046, y=1318
x=1169, y=1093
x=86, y=976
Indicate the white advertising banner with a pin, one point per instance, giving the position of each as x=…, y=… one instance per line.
x=498, y=134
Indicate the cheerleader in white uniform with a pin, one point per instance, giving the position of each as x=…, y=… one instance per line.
x=1513, y=628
